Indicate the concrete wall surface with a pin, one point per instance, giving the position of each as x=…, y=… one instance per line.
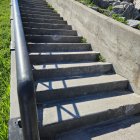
x=118, y=43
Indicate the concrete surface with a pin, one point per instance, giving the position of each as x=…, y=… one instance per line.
x=63, y=57
x=50, y=32
x=57, y=71
x=80, y=81
x=53, y=38
x=58, y=47
x=78, y=86
x=125, y=129
x=47, y=25
x=68, y=115
x=118, y=43
x=14, y=104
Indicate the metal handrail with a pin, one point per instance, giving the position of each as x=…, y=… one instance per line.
x=25, y=83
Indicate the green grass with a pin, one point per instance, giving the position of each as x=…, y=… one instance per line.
x=4, y=67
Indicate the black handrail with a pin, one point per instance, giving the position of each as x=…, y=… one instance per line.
x=25, y=83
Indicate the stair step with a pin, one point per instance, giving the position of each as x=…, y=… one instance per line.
x=36, y=9
x=60, y=57
x=61, y=71
x=36, y=13
x=66, y=116
x=54, y=15
x=47, y=25
x=41, y=20
x=36, y=31
x=126, y=128
x=33, y=1
x=34, y=4
x=30, y=3
x=35, y=19
x=53, y=39
x=58, y=47
x=41, y=16
x=71, y=88
x=39, y=5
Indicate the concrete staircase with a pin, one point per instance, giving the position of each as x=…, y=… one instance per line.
x=73, y=89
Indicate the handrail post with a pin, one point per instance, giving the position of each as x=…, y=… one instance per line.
x=25, y=83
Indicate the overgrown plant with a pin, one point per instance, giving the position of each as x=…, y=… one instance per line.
x=100, y=58
x=119, y=18
x=55, y=11
x=50, y=6
x=139, y=26
x=83, y=40
x=106, y=12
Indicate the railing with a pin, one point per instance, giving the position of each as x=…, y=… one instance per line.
x=25, y=83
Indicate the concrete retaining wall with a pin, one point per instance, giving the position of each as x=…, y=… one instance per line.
x=118, y=43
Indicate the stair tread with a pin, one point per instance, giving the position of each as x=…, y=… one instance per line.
x=95, y=104
x=42, y=18
x=120, y=129
x=44, y=31
x=32, y=28
x=68, y=65
x=55, y=24
x=39, y=13
x=77, y=82
x=48, y=21
x=63, y=53
x=45, y=24
x=59, y=44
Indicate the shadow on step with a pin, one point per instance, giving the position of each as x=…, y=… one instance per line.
x=118, y=129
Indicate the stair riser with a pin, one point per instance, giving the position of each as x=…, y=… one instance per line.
x=63, y=58
x=93, y=119
x=53, y=39
x=37, y=9
x=52, y=21
x=35, y=13
x=62, y=94
x=47, y=26
x=49, y=32
x=33, y=1
x=41, y=16
x=62, y=73
x=34, y=4
x=58, y=48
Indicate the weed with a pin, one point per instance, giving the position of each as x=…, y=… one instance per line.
x=50, y=6
x=101, y=58
x=119, y=18
x=83, y=40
